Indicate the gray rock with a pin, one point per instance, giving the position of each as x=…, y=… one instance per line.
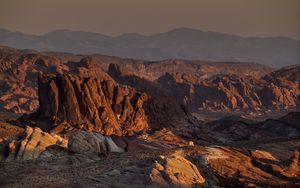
x=89, y=142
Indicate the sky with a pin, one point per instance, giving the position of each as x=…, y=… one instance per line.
x=259, y=18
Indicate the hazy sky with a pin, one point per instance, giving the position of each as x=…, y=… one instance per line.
x=113, y=17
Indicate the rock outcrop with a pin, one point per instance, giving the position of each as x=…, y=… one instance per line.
x=238, y=169
x=73, y=102
x=33, y=143
x=87, y=142
x=175, y=171
x=287, y=169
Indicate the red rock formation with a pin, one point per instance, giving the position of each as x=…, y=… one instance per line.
x=91, y=104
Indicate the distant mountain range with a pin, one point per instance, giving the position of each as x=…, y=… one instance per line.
x=182, y=43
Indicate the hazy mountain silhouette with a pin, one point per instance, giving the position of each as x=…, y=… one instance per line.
x=181, y=43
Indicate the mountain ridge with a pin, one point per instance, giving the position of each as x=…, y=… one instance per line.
x=148, y=35
x=182, y=43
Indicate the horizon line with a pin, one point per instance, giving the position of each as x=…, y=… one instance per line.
x=149, y=35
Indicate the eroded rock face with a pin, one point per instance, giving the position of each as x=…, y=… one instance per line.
x=32, y=144
x=175, y=171
x=72, y=102
x=90, y=104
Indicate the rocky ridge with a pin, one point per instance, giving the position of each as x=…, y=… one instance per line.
x=221, y=92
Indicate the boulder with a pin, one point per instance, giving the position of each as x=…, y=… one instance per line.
x=89, y=142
